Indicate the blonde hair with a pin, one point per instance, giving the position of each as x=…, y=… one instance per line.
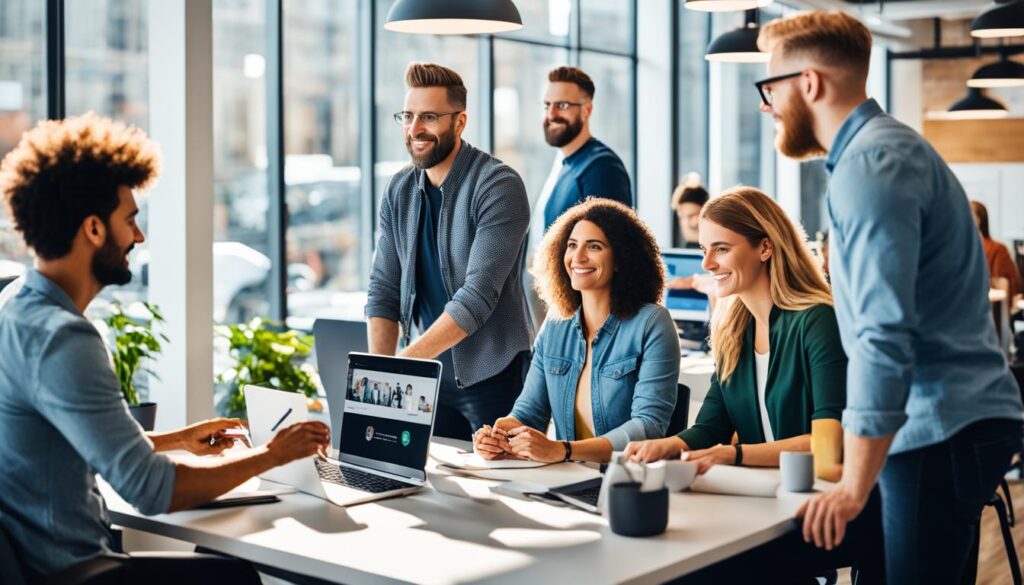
x=797, y=282
x=434, y=75
x=835, y=39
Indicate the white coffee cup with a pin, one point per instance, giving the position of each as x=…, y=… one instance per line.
x=797, y=468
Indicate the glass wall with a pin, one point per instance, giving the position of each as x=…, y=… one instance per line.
x=106, y=72
x=520, y=76
x=744, y=160
x=324, y=238
x=240, y=261
x=22, y=102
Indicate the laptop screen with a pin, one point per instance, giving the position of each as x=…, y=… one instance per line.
x=684, y=304
x=389, y=412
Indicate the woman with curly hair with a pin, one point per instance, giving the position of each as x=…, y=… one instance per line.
x=779, y=365
x=606, y=362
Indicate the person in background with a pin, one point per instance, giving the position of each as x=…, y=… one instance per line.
x=449, y=256
x=932, y=408
x=68, y=187
x=688, y=199
x=410, y=405
x=583, y=167
x=780, y=370
x=1001, y=267
x=606, y=362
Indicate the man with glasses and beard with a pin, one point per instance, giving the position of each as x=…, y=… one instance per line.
x=584, y=165
x=933, y=413
x=68, y=187
x=449, y=258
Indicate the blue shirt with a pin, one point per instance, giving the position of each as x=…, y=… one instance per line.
x=911, y=289
x=634, y=374
x=594, y=169
x=62, y=420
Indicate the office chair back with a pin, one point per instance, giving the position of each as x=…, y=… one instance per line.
x=10, y=568
x=681, y=415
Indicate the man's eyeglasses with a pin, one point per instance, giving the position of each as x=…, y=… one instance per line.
x=428, y=118
x=561, y=106
x=764, y=86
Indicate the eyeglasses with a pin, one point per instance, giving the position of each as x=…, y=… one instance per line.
x=561, y=106
x=428, y=118
x=766, y=92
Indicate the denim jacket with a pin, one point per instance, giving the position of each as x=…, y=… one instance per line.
x=633, y=381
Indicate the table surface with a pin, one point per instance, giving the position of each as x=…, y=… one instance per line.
x=435, y=537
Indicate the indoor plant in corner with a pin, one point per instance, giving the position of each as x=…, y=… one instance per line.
x=264, y=355
x=134, y=340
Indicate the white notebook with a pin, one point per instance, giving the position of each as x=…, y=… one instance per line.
x=738, y=481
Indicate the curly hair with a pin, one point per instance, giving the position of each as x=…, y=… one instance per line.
x=63, y=171
x=639, y=276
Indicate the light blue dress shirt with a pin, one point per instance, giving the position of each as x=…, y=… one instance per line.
x=634, y=374
x=62, y=420
x=911, y=289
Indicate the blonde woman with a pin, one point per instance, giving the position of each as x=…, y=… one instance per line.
x=778, y=358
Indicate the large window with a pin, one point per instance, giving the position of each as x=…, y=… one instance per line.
x=336, y=128
x=325, y=236
x=106, y=72
x=240, y=261
x=744, y=159
x=520, y=76
x=22, y=102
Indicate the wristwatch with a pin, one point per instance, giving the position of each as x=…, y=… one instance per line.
x=739, y=454
x=568, y=451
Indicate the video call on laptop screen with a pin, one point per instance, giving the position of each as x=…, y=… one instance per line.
x=389, y=411
x=677, y=265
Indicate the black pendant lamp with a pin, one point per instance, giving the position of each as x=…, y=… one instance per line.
x=976, y=106
x=1002, y=73
x=1003, y=18
x=725, y=5
x=739, y=45
x=453, y=17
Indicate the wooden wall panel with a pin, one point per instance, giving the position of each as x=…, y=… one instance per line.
x=977, y=140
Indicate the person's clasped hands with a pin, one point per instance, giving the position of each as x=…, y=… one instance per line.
x=508, y=438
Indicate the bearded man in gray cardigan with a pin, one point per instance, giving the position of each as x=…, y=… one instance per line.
x=449, y=259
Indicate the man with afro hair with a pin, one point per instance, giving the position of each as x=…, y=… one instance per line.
x=68, y=187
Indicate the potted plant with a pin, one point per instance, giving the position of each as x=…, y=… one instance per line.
x=134, y=341
x=264, y=355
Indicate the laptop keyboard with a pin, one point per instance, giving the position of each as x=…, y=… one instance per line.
x=587, y=495
x=355, y=478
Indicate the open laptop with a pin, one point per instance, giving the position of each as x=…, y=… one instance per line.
x=690, y=309
x=335, y=338
x=383, y=438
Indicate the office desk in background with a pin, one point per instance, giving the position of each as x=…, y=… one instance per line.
x=432, y=537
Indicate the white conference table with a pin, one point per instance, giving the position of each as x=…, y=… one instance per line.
x=433, y=537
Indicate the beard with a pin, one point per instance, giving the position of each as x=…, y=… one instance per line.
x=796, y=138
x=108, y=264
x=443, y=146
x=559, y=136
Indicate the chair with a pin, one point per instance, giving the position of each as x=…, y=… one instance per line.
x=1004, y=524
x=681, y=415
x=98, y=571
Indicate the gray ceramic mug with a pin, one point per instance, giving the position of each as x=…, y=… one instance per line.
x=797, y=469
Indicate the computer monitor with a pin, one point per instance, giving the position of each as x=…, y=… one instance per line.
x=685, y=304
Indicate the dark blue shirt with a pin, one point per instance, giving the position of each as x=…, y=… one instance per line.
x=594, y=169
x=430, y=294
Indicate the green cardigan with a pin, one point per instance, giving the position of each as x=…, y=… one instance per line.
x=806, y=381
